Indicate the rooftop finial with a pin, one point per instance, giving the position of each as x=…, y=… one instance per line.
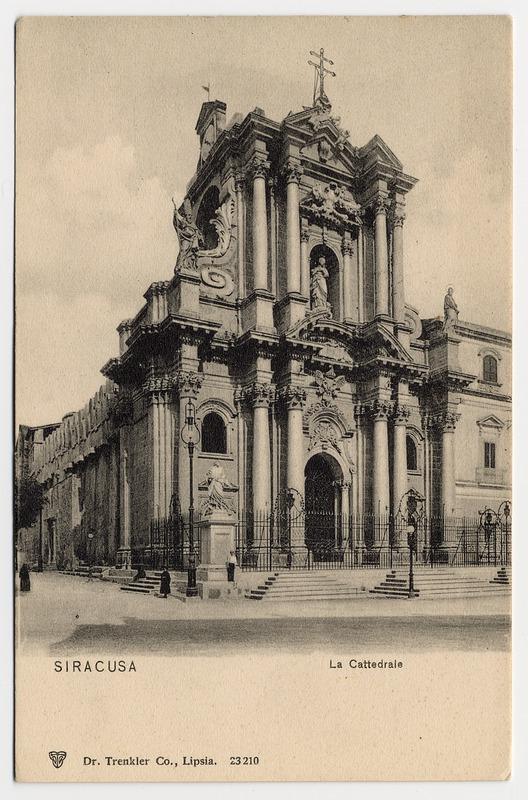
x=319, y=94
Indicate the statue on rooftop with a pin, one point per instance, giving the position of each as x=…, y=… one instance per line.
x=450, y=311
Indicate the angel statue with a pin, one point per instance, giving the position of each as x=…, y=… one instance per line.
x=189, y=237
x=450, y=310
x=319, y=285
x=216, y=483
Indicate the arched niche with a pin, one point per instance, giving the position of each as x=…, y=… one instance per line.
x=206, y=211
x=331, y=263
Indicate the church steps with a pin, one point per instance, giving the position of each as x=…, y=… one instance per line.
x=441, y=584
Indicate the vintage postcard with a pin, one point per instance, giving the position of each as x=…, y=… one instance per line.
x=264, y=518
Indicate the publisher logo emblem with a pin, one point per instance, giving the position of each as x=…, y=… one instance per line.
x=57, y=758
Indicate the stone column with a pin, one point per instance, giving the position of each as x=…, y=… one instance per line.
x=350, y=297
x=260, y=395
x=305, y=262
x=398, y=292
x=382, y=267
x=292, y=172
x=259, y=169
x=361, y=299
x=295, y=397
x=380, y=411
x=399, y=464
x=240, y=183
x=448, y=494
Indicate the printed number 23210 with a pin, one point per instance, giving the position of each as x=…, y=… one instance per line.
x=240, y=761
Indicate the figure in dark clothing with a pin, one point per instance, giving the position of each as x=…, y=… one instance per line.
x=25, y=583
x=231, y=566
x=165, y=582
x=140, y=574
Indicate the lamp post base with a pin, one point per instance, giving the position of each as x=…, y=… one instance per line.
x=192, y=589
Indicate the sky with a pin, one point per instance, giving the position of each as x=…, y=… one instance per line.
x=106, y=109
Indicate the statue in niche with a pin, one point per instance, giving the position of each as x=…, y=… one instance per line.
x=450, y=311
x=319, y=285
x=189, y=237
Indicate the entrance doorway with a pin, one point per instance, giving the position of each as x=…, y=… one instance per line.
x=322, y=492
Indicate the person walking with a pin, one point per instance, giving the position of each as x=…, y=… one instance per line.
x=25, y=582
x=165, y=582
x=231, y=566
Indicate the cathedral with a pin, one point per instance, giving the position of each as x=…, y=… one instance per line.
x=285, y=344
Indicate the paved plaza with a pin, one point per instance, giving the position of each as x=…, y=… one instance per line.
x=65, y=615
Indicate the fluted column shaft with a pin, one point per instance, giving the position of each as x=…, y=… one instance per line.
x=259, y=395
x=448, y=495
x=382, y=268
x=292, y=172
x=380, y=466
x=260, y=226
x=398, y=290
x=295, y=397
x=350, y=295
x=399, y=474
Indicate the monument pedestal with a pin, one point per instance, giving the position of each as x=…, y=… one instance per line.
x=217, y=541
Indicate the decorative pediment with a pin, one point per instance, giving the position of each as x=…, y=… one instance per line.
x=377, y=151
x=491, y=421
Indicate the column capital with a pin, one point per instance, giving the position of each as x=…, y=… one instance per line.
x=444, y=421
x=158, y=388
x=259, y=395
x=240, y=181
x=397, y=218
x=379, y=410
x=292, y=171
x=258, y=167
x=293, y=396
x=305, y=232
x=188, y=384
x=380, y=204
x=401, y=414
x=347, y=247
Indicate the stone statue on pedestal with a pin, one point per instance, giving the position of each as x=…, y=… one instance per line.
x=450, y=311
x=215, y=500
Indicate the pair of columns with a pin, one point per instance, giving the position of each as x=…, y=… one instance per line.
x=397, y=217
x=380, y=413
x=261, y=395
x=292, y=172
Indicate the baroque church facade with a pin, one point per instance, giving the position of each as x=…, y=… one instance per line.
x=286, y=324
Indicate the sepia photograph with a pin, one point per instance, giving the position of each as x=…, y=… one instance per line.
x=263, y=395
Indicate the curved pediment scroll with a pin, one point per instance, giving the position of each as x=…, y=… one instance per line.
x=213, y=265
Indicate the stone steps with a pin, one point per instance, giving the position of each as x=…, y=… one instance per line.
x=302, y=585
x=146, y=585
x=441, y=584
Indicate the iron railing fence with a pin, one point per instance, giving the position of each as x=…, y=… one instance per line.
x=317, y=540
x=168, y=545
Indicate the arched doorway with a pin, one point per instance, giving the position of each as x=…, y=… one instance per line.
x=323, y=479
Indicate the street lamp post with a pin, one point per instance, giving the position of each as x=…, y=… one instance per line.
x=411, y=540
x=290, y=502
x=191, y=436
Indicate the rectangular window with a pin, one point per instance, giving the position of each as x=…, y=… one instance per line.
x=489, y=455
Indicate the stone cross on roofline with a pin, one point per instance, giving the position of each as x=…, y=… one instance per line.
x=320, y=72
